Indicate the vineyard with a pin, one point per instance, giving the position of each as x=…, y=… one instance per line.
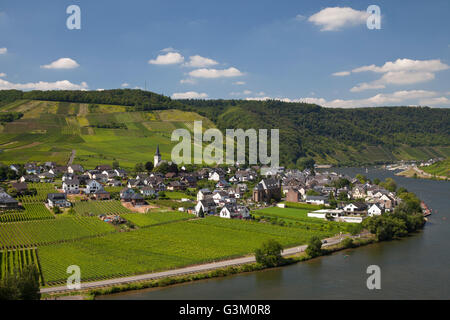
x=154, y=218
x=17, y=259
x=84, y=208
x=163, y=247
x=33, y=233
x=42, y=190
x=33, y=211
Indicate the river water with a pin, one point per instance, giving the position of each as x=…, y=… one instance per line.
x=417, y=267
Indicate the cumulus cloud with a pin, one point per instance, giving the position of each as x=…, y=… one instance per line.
x=405, y=97
x=168, y=58
x=336, y=18
x=169, y=49
x=43, y=85
x=189, y=95
x=400, y=72
x=124, y=85
x=3, y=50
x=2, y=74
x=239, y=83
x=216, y=73
x=200, y=62
x=62, y=63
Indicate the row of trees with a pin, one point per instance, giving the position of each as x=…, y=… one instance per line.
x=21, y=284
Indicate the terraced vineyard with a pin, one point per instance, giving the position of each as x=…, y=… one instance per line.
x=11, y=260
x=34, y=233
x=163, y=247
x=84, y=208
x=42, y=190
x=33, y=211
x=154, y=218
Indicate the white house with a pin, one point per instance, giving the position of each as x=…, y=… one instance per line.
x=208, y=207
x=374, y=210
x=71, y=186
x=92, y=186
x=203, y=194
x=214, y=176
x=231, y=211
x=75, y=168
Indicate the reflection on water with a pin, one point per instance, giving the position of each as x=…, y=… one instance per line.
x=413, y=268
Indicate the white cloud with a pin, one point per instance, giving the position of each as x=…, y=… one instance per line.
x=400, y=72
x=438, y=101
x=2, y=74
x=169, y=49
x=333, y=19
x=239, y=83
x=200, y=62
x=215, y=73
x=188, y=81
x=341, y=74
x=246, y=92
x=189, y=95
x=62, y=63
x=43, y=85
x=124, y=85
x=3, y=50
x=300, y=17
x=168, y=58
x=405, y=97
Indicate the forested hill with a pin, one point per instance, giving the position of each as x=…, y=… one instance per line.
x=336, y=136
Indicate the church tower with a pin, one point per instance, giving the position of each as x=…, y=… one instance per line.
x=157, y=157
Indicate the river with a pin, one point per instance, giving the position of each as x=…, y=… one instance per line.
x=417, y=267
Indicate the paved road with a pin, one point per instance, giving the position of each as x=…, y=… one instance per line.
x=182, y=271
x=72, y=157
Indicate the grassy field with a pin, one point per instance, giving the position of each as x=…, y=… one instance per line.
x=441, y=168
x=11, y=260
x=49, y=131
x=154, y=218
x=164, y=247
x=32, y=211
x=99, y=207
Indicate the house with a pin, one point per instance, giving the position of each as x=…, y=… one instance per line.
x=120, y=173
x=92, y=186
x=203, y=194
x=355, y=207
x=222, y=184
x=29, y=178
x=208, y=206
x=189, y=180
x=19, y=186
x=359, y=192
x=115, y=183
x=233, y=211
x=58, y=200
x=266, y=189
x=176, y=185
x=31, y=168
x=135, y=183
x=126, y=193
x=319, y=200
x=137, y=199
x=294, y=195
x=103, y=167
x=215, y=176
x=102, y=195
x=7, y=202
x=148, y=191
x=375, y=210
x=71, y=186
x=170, y=175
x=75, y=168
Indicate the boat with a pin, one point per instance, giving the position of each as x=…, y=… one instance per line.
x=425, y=210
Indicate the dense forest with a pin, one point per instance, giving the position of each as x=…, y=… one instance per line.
x=306, y=130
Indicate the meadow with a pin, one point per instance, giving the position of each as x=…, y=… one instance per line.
x=84, y=208
x=154, y=218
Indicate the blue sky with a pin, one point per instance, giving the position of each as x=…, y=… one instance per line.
x=315, y=51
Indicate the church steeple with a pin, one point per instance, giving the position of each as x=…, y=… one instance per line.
x=157, y=157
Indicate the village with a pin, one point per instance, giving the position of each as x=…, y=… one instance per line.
x=230, y=192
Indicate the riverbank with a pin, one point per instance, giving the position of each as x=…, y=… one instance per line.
x=291, y=256
x=415, y=172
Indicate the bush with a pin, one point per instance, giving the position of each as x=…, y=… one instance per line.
x=314, y=248
x=348, y=243
x=269, y=255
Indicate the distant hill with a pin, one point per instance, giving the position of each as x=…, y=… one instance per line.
x=332, y=136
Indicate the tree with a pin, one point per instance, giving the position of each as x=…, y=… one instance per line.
x=269, y=255
x=361, y=178
x=115, y=164
x=389, y=184
x=162, y=168
x=28, y=283
x=139, y=167
x=56, y=210
x=149, y=166
x=306, y=163
x=314, y=248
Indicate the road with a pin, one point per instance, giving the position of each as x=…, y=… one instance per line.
x=72, y=157
x=182, y=271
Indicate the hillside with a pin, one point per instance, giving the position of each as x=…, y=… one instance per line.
x=62, y=120
x=49, y=131
x=440, y=168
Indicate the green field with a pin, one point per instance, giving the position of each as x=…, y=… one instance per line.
x=32, y=211
x=15, y=260
x=163, y=247
x=441, y=168
x=84, y=208
x=34, y=233
x=154, y=218
x=49, y=131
